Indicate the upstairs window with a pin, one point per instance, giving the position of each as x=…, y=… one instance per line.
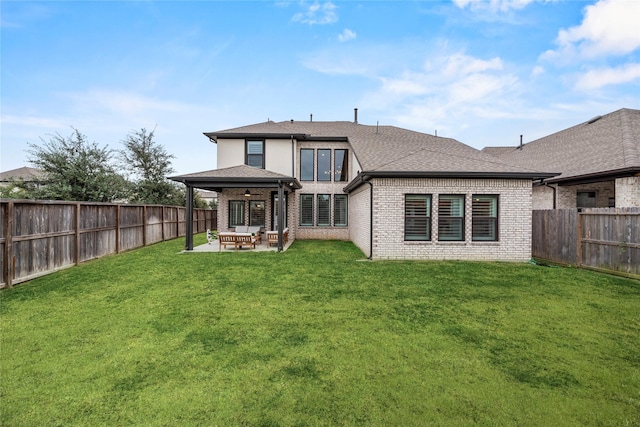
x=254, y=156
x=340, y=165
x=324, y=165
x=417, y=217
x=306, y=164
x=451, y=217
x=484, y=218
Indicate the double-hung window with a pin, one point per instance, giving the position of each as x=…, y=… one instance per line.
x=254, y=156
x=451, y=217
x=306, y=164
x=340, y=210
x=236, y=213
x=324, y=210
x=484, y=217
x=417, y=217
x=306, y=210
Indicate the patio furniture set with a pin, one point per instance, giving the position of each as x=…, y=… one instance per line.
x=246, y=236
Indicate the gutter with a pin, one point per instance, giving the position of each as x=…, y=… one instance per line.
x=370, y=257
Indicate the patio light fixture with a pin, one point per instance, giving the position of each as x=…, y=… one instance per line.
x=247, y=193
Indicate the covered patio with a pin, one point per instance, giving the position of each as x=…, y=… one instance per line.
x=247, y=183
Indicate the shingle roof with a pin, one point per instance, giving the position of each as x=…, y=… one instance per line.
x=235, y=176
x=388, y=148
x=24, y=173
x=601, y=146
x=240, y=171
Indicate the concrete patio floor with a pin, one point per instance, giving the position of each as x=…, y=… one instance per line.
x=215, y=247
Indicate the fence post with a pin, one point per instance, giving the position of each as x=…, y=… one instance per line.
x=144, y=225
x=76, y=245
x=8, y=245
x=117, y=229
x=579, y=241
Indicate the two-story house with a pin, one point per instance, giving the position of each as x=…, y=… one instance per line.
x=396, y=193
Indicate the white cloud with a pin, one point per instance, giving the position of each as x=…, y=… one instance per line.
x=316, y=13
x=347, y=35
x=597, y=78
x=609, y=27
x=537, y=71
x=493, y=5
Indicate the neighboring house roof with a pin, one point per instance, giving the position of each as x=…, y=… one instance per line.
x=391, y=151
x=236, y=177
x=604, y=147
x=24, y=173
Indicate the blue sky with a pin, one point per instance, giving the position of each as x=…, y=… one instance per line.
x=482, y=72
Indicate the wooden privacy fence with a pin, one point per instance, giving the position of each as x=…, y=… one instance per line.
x=606, y=239
x=39, y=237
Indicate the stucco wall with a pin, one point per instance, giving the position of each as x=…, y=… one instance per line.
x=514, y=220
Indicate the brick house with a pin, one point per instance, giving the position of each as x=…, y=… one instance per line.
x=395, y=193
x=599, y=161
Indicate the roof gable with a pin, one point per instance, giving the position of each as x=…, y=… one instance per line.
x=602, y=145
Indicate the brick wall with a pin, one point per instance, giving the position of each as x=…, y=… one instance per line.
x=628, y=192
x=566, y=195
x=360, y=218
x=260, y=194
x=321, y=187
x=514, y=223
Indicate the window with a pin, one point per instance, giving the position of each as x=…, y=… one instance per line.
x=586, y=199
x=340, y=210
x=340, y=165
x=484, y=218
x=306, y=164
x=255, y=154
x=236, y=213
x=417, y=217
x=256, y=213
x=324, y=210
x=451, y=217
x=324, y=165
x=306, y=209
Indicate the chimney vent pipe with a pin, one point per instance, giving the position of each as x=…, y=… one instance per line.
x=355, y=115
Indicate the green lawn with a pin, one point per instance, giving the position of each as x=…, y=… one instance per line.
x=318, y=336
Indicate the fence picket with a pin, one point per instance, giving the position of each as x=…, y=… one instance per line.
x=40, y=237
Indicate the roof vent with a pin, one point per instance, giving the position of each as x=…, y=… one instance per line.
x=355, y=116
x=593, y=120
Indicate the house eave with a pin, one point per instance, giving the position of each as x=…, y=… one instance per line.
x=217, y=184
x=213, y=136
x=595, y=177
x=367, y=175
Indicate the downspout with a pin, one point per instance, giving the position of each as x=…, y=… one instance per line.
x=293, y=158
x=370, y=218
x=280, y=213
x=554, y=193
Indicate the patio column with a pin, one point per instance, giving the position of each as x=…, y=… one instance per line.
x=189, y=219
x=281, y=218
